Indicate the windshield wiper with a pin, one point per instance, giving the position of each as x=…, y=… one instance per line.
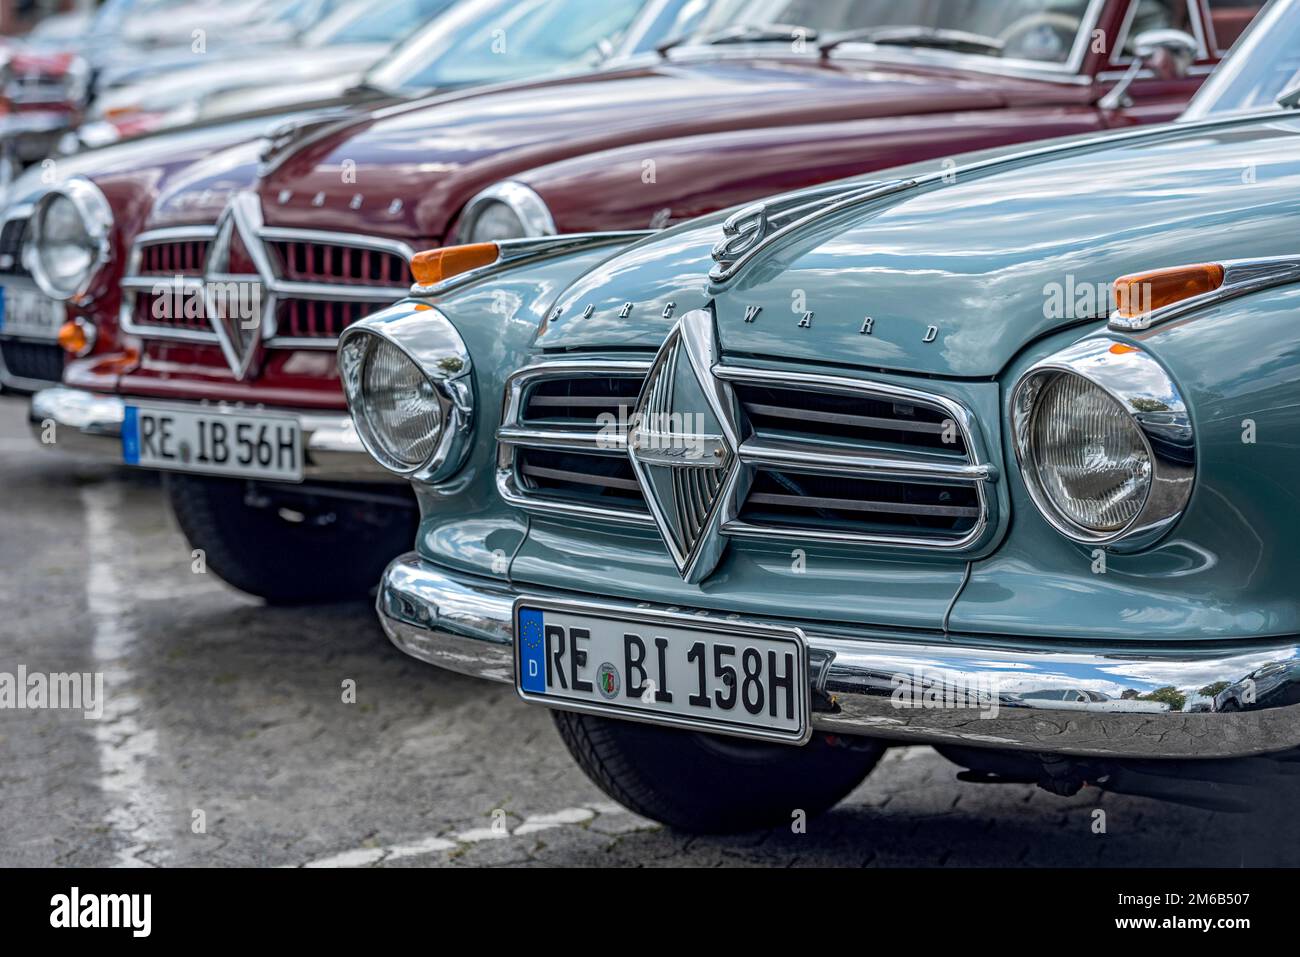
x=936, y=37
x=765, y=33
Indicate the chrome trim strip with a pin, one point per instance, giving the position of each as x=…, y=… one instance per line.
x=517, y=252
x=176, y=234
x=381, y=244
x=464, y=623
x=1241, y=277
x=1139, y=384
x=90, y=424
x=817, y=459
x=567, y=441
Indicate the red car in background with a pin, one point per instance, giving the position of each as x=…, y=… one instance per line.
x=321, y=223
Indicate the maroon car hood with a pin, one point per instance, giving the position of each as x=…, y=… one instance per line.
x=436, y=156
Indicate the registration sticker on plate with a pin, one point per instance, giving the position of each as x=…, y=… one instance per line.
x=675, y=670
x=232, y=443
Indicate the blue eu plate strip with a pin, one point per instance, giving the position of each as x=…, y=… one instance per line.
x=532, y=651
x=131, y=436
x=2, y=308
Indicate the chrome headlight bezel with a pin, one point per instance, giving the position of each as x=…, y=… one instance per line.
x=527, y=206
x=1148, y=395
x=438, y=353
x=97, y=220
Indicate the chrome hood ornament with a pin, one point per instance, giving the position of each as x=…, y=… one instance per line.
x=683, y=445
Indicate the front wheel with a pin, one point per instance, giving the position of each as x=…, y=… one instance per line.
x=713, y=785
x=294, y=547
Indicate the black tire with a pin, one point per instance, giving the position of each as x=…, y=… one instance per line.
x=712, y=785
x=291, y=551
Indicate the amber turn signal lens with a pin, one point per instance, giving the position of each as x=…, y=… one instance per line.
x=436, y=265
x=77, y=337
x=1145, y=292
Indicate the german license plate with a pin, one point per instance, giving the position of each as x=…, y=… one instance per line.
x=26, y=314
x=232, y=443
x=675, y=670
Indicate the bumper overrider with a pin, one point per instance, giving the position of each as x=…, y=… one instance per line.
x=945, y=689
x=90, y=424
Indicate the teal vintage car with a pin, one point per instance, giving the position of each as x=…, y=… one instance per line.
x=891, y=461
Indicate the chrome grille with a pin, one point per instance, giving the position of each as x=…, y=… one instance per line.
x=879, y=422
x=340, y=263
x=828, y=458
x=31, y=362
x=564, y=440
x=182, y=257
x=319, y=283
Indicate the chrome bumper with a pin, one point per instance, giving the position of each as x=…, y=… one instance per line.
x=979, y=695
x=89, y=423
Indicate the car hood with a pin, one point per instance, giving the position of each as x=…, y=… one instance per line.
x=979, y=261
x=268, y=68
x=448, y=149
x=148, y=160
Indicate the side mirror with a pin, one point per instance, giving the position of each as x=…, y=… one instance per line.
x=1167, y=53
x=1170, y=53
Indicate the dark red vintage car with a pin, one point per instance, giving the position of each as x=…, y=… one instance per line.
x=217, y=290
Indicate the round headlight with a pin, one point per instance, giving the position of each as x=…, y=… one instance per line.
x=68, y=239
x=396, y=408
x=410, y=391
x=495, y=222
x=1105, y=444
x=504, y=211
x=1089, y=455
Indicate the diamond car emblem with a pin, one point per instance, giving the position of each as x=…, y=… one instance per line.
x=683, y=446
x=240, y=335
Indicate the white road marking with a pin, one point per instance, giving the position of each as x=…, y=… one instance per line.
x=569, y=817
x=125, y=746
x=544, y=822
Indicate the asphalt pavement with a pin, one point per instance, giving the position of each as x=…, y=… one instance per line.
x=226, y=739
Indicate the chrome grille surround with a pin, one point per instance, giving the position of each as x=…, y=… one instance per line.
x=280, y=288
x=757, y=453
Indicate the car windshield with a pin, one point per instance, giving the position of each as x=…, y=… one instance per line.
x=1039, y=30
x=495, y=40
x=384, y=23
x=1263, y=67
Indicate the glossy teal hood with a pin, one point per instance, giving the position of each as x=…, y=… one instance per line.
x=992, y=256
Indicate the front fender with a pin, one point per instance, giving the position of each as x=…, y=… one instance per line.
x=1227, y=569
x=464, y=523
